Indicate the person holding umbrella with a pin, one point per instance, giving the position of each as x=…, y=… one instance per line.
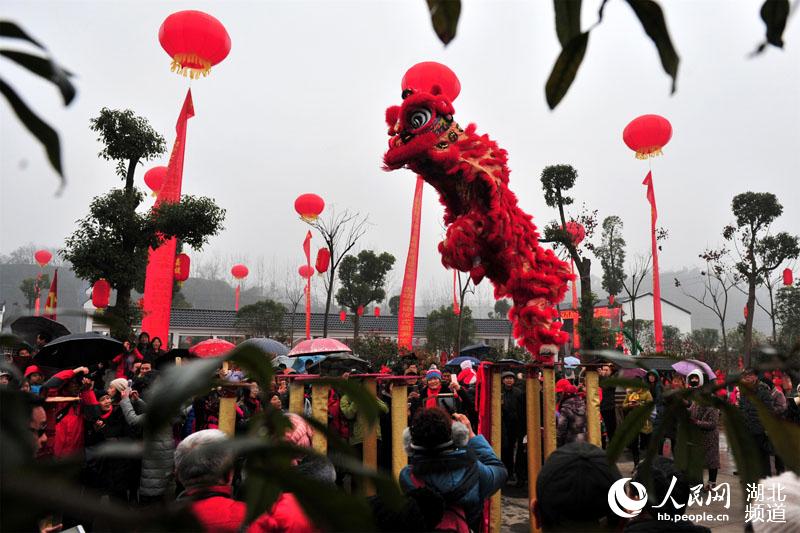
x=75, y=395
x=636, y=397
x=706, y=418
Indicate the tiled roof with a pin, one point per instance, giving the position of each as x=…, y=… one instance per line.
x=224, y=319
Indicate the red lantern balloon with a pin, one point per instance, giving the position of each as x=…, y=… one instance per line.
x=746, y=313
x=576, y=231
x=101, y=292
x=360, y=310
x=309, y=206
x=42, y=257
x=342, y=315
x=305, y=271
x=377, y=311
x=323, y=260
x=646, y=135
x=154, y=178
x=195, y=41
x=787, y=276
x=610, y=299
x=239, y=271
x=182, y=265
x=432, y=77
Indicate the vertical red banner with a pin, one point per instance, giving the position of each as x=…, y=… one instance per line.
x=161, y=263
x=52, y=299
x=307, y=251
x=657, y=324
x=405, y=309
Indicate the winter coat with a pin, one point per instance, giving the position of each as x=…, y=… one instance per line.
x=707, y=419
x=159, y=456
x=350, y=410
x=115, y=475
x=286, y=516
x=68, y=418
x=513, y=409
x=749, y=411
x=640, y=397
x=124, y=367
x=572, y=420
x=491, y=475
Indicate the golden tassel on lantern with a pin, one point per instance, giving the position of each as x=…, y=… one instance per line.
x=190, y=65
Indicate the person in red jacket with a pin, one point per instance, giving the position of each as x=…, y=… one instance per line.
x=124, y=361
x=68, y=416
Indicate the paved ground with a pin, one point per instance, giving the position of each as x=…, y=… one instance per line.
x=515, y=500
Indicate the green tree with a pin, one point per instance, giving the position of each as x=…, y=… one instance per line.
x=261, y=319
x=32, y=287
x=787, y=310
x=394, y=304
x=760, y=252
x=113, y=240
x=362, y=278
x=501, y=308
x=443, y=326
x=557, y=180
x=612, y=255
x=377, y=350
x=705, y=341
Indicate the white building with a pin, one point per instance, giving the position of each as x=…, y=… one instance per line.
x=671, y=314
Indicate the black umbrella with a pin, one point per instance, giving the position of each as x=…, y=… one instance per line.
x=78, y=349
x=28, y=327
x=167, y=359
x=336, y=364
x=478, y=351
x=267, y=345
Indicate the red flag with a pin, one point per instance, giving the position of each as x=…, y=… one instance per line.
x=161, y=261
x=651, y=196
x=456, y=308
x=307, y=247
x=657, y=324
x=307, y=251
x=405, y=310
x=52, y=299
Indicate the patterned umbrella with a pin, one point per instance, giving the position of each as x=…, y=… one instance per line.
x=211, y=348
x=318, y=347
x=687, y=365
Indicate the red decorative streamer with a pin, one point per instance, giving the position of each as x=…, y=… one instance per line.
x=405, y=309
x=307, y=251
x=456, y=308
x=161, y=260
x=651, y=197
x=52, y=299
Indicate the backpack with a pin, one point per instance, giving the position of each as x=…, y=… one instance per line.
x=454, y=519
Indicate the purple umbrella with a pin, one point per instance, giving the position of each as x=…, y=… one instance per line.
x=687, y=365
x=631, y=373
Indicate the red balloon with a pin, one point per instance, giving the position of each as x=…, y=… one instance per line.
x=646, y=135
x=342, y=315
x=305, y=271
x=576, y=231
x=360, y=310
x=323, y=260
x=239, y=271
x=432, y=77
x=101, y=292
x=182, y=265
x=610, y=299
x=787, y=276
x=42, y=257
x=154, y=178
x=195, y=41
x=309, y=206
x=377, y=311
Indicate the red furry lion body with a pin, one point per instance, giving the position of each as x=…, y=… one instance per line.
x=488, y=235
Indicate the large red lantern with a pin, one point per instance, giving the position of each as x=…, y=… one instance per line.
x=646, y=135
x=342, y=315
x=154, y=179
x=432, y=77
x=195, y=41
x=309, y=206
x=42, y=257
x=323, y=260
x=101, y=292
x=305, y=271
x=182, y=265
x=239, y=271
x=377, y=311
x=576, y=231
x=787, y=277
x=360, y=310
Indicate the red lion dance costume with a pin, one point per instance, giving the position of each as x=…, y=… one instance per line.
x=488, y=235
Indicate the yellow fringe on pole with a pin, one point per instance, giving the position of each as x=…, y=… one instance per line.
x=179, y=60
x=647, y=153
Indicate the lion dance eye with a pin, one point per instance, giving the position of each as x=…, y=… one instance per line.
x=419, y=117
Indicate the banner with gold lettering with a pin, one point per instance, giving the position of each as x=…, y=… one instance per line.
x=405, y=310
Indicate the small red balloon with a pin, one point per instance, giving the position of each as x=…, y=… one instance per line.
x=101, y=292
x=646, y=135
x=342, y=315
x=309, y=206
x=305, y=271
x=154, y=178
x=239, y=271
x=377, y=311
x=195, y=41
x=42, y=257
x=360, y=310
x=432, y=77
x=323, y=260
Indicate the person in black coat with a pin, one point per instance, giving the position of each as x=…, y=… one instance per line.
x=513, y=426
x=750, y=413
x=608, y=407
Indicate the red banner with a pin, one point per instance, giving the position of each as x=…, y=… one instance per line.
x=52, y=299
x=307, y=251
x=161, y=262
x=405, y=309
x=657, y=324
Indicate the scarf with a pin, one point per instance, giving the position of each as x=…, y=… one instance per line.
x=430, y=402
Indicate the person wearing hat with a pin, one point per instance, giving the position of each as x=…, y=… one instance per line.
x=572, y=414
x=750, y=381
x=636, y=397
x=572, y=490
x=69, y=424
x=5, y=377
x=434, y=396
x=513, y=426
x=35, y=377
x=706, y=418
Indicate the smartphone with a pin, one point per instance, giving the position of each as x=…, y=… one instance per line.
x=453, y=379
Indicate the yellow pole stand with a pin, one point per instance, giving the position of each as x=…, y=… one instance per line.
x=496, y=505
x=370, y=459
x=533, y=410
x=227, y=414
x=593, y=407
x=399, y=424
x=296, y=397
x=549, y=406
x=319, y=410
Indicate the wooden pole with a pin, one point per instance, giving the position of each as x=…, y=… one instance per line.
x=227, y=413
x=296, y=399
x=177, y=361
x=549, y=406
x=496, y=505
x=399, y=424
x=533, y=409
x=319, y=410
x=370, y=457
x=592, y=407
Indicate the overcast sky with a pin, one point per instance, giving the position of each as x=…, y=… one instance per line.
x=298, y=106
